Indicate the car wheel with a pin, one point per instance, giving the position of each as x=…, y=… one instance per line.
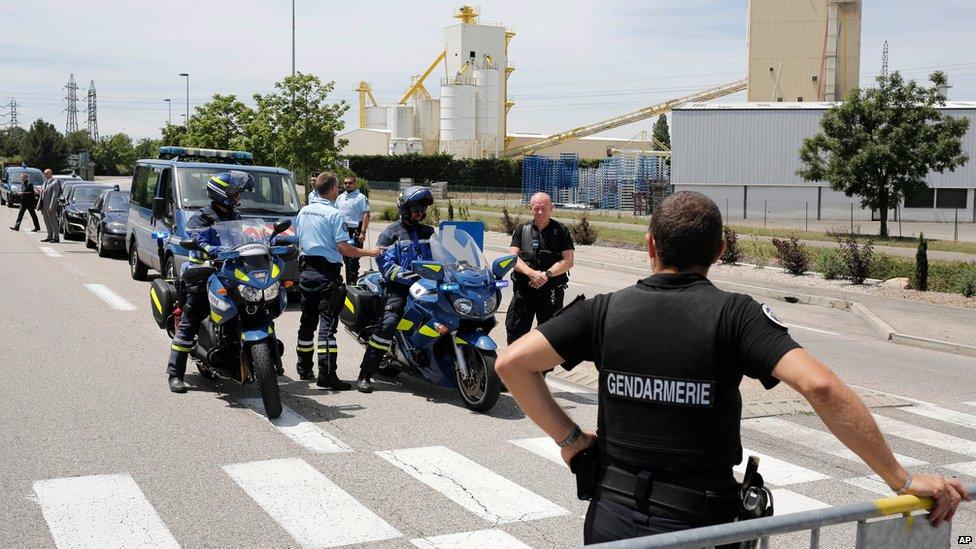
x=169, y=268
x=138, y=269
x=99, y=245
x=2, y=200
x=89, y=243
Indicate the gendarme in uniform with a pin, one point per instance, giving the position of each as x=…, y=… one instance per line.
x=353, y=205
x=671, y=351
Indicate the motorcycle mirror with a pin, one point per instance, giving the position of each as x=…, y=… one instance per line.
x=280, y=227
x=502, y=265
x=190, y=244
x=428, y=270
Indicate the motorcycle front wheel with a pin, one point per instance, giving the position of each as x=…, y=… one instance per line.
x=264, y=373
x=481, y=390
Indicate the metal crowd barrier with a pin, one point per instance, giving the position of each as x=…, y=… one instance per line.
x=907, y=531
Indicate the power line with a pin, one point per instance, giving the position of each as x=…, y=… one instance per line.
x=884, y=60
x=12, y=117
x=71, y=121
x=92, y=112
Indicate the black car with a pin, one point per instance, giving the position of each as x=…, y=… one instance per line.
x=66, y=185
x=10, y=185
x=74, y=207
x=105, y=230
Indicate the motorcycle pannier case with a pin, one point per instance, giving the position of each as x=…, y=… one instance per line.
x=360, y=309
x=162, y=300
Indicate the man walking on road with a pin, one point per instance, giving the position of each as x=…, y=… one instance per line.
x=544, y=248
x=355, y=212
x=671, y=352
x=48, y=206
x=28, y=200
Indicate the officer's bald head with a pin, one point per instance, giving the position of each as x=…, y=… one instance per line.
x=687, y=231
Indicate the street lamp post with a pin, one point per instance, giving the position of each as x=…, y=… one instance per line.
x=293, y=37
x=187, y=75
x=169, y=106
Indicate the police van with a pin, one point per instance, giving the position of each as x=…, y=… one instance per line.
x=166, y=191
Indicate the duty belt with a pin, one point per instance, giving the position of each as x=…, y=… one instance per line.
x=319, y=264
x=639, y=490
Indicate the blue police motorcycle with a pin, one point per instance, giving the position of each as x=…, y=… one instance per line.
x=442, y=337
x=244, y=287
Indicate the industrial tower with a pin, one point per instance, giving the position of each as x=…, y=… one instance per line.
x=71, y=122
x=92, y=112
x=12, y=119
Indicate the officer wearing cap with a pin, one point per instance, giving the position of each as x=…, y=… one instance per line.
x=322, y=238
x=355, y=212
x=224, y=190
x=671, y=351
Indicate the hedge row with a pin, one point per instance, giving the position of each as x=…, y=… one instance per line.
x=480, y=172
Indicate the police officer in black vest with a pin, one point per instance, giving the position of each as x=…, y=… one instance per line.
x=544, y=248
x=671, y=351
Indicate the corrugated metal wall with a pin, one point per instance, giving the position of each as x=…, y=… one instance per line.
x=753, y=146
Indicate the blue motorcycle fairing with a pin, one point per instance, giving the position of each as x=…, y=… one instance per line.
x=251, y=336
x=477, y=339
x=222, y=308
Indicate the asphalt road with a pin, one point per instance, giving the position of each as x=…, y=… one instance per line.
x=97, y=452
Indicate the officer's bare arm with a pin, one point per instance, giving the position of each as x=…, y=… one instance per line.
x=351, y=251
x=520, y=365
x=520, y=265
x=563, y=265
x=365, y=224
x=850, y=421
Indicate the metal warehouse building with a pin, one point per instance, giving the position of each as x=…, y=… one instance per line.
x=745, y=156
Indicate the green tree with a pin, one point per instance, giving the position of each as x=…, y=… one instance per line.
x=147, y=148
x=881, y=143
x=12, y=143
x=114, y=155
x=219, y=124
x=295, y=126
x=79, y=141
x=44, y=147
x=173, y=135
x=661, y=132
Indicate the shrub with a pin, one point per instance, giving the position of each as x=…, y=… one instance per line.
x=732, y=253
x=390, y=213
x=759, y=253
x=434, y=216
x=583, y=232
x=450, y=210
x=509, y=223
x=921, y=279
x=792, y=255
x=830, y=263
x=463, y=213
x=858, y=259
x=967, y=282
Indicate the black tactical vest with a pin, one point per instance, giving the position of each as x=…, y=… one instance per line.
x=669, y=395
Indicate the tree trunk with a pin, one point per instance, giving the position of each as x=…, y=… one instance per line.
x=883, y=206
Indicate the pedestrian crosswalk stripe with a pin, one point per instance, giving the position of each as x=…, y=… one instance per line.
x=815, y=439
x=542, y=446
x=472, y=486
x=301, y=430
x=50, y=252
x=966, y=468
x=779, y=472
x=113, y=299
x=100, y=511
x=496, y=539
x=942, y=414
x=970, y=403
x=871, y=483
x=787, y=501
x=307, y=505
x=925, y=436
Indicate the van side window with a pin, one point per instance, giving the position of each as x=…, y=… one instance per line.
x=166, y=180
x=139, y=185
x=152, y=180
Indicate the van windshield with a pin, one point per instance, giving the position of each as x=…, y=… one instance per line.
x=273, y=193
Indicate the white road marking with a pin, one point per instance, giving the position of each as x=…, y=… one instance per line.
x=815, y=439
x=307, y=505
x=566, y=387
x=114, y=300
x=871, y=483
x=542, y=446
x=942, y=414
x=779, y=472
x=787, y=501
x=925, y=436
x=818, y=330
x=966, y=468
x=475, y=540
x=100, y=511
x=301, y=430
x=74, y=269
x=472, y=486
x=970, y=403
x=50, y=252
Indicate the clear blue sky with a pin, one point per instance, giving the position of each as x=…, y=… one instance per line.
x=577, y=61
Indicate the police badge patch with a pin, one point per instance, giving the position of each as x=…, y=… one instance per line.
x=769, y=314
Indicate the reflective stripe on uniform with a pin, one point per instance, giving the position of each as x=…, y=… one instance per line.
x=305, y=349
x=324, y=350
x=181, y=342
x=379, y=346
x=379, y=339
x=180, y=348
x=305, y=343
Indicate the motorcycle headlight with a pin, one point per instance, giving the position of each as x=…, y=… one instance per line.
x=463, y=305
x=218, y=303
x=491, y=304
x=249, y=293
x=271, y=292
x=115, y=226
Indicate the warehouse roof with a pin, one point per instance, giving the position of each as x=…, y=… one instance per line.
x=785, y=105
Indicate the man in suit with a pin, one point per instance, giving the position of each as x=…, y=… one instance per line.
x=28, y=200
x=48, y=206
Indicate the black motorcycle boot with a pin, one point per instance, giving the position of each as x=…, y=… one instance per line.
x=304, y=365
x=176, y=385
x=364, y=385
x=328, y=379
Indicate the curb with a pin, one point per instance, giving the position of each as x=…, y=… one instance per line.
x=876, y=323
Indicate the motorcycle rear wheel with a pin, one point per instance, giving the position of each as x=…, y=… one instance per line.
x=264, y=373
x=481, y=390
